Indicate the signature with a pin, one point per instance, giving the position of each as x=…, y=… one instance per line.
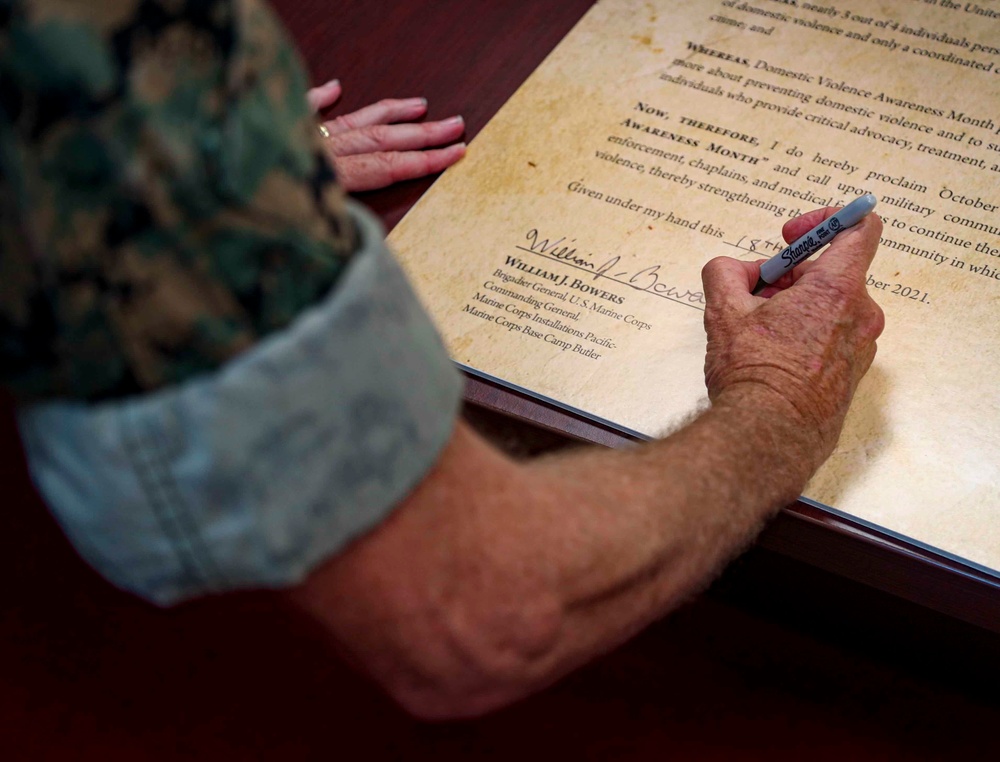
x=649, y=279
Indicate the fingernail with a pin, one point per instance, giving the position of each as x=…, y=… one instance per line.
x=332, y=84
x=454, y=120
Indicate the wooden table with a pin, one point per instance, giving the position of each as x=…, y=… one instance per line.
x=779, y=660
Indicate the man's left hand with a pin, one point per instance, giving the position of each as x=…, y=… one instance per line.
x=380, y=144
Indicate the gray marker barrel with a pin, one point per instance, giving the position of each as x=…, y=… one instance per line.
x=804, y=247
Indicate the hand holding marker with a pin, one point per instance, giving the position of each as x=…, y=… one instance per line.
x=804, y=247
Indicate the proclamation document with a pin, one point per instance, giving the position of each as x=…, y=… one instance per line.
x=562, y=256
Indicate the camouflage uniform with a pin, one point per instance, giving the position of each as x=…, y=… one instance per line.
x=166, y=207
x=165, y=199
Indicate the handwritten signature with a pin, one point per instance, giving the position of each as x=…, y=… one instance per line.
x=648, y=279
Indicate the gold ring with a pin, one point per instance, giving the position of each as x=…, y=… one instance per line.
x=324, y=131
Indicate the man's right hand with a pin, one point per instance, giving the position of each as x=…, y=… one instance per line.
x=803, y=346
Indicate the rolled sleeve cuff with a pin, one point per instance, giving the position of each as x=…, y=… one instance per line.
x=253, y=475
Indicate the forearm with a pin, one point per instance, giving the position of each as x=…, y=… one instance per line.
x=693, y=491
x=655, y=525
x=496, y=578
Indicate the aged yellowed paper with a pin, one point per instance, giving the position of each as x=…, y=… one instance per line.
x=563, y=255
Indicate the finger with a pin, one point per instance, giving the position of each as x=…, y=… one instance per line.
x=395, y=137
x=384, y=112
x=324, y=96
x=800, y=270
x=855, y=246
x=852, y=251
x=378, y=170
x=791, y=277
x=728, y=282
x=787, y=280
x=798, y=227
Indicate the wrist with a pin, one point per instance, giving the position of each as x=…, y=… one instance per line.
x=786, y=439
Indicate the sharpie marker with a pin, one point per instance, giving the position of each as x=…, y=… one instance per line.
x=803, y=248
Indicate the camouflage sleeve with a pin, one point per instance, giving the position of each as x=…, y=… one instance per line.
x=164, y=198
x=251, y=476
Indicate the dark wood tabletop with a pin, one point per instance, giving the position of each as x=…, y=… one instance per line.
x=825, y=640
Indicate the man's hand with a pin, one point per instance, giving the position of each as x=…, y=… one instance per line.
x=379, y=145
x=805, y=342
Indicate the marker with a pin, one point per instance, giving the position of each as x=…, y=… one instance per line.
x=802, y=248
